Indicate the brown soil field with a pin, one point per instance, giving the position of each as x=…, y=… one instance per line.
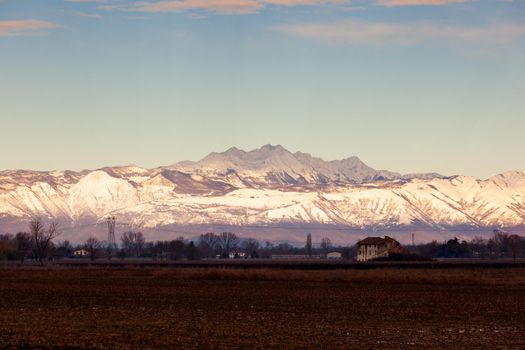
x=262, y=309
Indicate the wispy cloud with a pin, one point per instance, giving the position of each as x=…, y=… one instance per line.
x=25, y=27
x=303, y=2
x=89, y=15
x=218, y=6
x=87, y=1
x=109, y=7
x=395, y=3
x=214, y=6
x=375, y=33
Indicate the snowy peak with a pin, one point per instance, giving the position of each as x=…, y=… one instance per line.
x=508, y=179
x=266, y=158
x=274, y=165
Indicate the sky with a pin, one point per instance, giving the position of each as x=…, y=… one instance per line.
x=406, y=85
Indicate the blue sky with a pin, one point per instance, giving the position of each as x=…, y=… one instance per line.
x=406, y=85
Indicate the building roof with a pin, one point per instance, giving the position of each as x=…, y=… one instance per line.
x=371, y=241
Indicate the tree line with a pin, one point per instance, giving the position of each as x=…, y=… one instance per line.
x=35, y=244
x=501, y=245
x=38, y=245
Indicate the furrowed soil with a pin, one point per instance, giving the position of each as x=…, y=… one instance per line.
x=224, y=309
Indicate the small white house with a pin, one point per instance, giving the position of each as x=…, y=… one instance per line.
x=80, y=253
x=237, y=254
x=334, y=256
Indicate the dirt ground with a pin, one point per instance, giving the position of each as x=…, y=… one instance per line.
x=171, y=309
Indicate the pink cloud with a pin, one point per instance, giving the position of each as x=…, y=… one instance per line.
x=86, y=1
x=395, y=3
x=25, y=27
x=303, y=2
x=89, y=15
x=108, y=7
x=218, y=6
x=391, y=34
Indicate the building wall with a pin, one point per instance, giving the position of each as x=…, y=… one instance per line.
x=369, y=252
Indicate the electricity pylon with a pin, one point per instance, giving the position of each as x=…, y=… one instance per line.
x=112, y=246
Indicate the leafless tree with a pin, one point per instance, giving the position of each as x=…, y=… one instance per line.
x=92, y=246
x=133, y=243
x=209, y=244
x=326, y=244
x=251, y=246
x=160, y=250
x=509, y=245
x=42, y=237
x=514, y=244
x=176, y=248
x=23, y=245
x=227, y=241
x=479, y=247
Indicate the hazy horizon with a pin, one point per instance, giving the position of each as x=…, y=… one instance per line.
x=248, y=150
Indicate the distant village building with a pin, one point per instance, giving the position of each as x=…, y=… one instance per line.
x=80, y=253
x=237, y=254
x=334, y=256
x=376, y=247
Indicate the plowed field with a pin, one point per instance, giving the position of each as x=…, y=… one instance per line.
x=221, y=309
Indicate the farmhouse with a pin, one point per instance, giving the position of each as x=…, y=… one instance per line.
x=377, y=247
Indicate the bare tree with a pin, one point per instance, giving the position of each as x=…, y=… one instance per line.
x=42, y=237
x=509, y=245
x=209, y=244
x=176, y=248
x=227, y=241
x=160, y=250
x=251, y=246
x=92, y=246
x=133, y=243
x=514, y=244
x=326, y=244
x=23, y=245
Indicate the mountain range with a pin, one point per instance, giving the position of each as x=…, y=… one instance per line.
x=268, y=193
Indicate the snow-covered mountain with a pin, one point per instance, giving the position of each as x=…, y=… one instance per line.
x=267, y=187
x=276, y=166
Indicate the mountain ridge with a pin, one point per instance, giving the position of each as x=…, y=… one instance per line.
x=299, y=165
x=264, y=187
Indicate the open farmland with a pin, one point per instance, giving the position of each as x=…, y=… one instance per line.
x=267, y=308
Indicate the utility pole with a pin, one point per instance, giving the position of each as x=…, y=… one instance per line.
x=413, y=244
